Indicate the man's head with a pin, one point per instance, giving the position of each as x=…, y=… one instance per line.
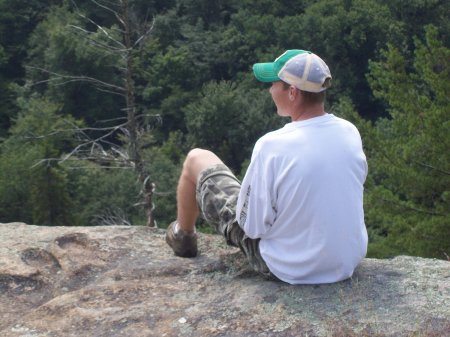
x=299, y=80
x=302, y=69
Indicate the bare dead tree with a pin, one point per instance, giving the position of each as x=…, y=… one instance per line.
x=133, y=126
x=112, y=217
x=123, y=42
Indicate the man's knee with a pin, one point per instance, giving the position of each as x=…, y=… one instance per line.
x=197, y=154
x=197, y=160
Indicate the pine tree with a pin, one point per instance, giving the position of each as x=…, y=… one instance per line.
x=407, y=193
x=34, y=187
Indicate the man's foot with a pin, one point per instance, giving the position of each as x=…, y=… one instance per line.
x=183, y=243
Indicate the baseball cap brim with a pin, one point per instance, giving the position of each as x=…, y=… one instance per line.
x=268, y=71
x=265, y=72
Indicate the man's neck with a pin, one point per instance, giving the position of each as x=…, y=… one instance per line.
x=307, y=113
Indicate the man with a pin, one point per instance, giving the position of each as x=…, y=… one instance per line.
x=298, y=215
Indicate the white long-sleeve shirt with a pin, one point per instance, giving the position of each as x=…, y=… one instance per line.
x=302, y=196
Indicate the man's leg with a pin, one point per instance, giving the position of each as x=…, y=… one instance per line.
x=196, y=161
x=216, y=195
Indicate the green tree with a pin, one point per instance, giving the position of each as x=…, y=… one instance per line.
x=165, y=164
x=407, y=193
x=413, y=16
x=105, y=54
x=60, y=56
x=194, y=72
x=34, y=187
x=17, y=21
x=228, y=119
x=103, y=196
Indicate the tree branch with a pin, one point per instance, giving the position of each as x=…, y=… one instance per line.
x=432, y=167
x=400, y=204
x=99, y=44
x=112, y=217
x=82, y=78
x=97, y=25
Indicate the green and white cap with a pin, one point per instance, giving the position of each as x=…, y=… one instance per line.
x=268, y=72
x=307, y=72
x=300, y=68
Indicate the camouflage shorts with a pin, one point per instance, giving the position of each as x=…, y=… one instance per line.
x=217, y=193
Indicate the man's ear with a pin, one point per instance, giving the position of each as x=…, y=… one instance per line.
x=293, y=93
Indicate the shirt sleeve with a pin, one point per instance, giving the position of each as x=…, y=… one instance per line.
x=256, y=207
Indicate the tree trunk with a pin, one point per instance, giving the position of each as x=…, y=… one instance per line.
x=133, y=126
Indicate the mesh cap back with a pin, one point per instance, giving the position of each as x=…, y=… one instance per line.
x=307, y=72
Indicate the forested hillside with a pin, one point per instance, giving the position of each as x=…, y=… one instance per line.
x=101, y=99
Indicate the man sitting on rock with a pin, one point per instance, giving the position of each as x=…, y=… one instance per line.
x=298, y=214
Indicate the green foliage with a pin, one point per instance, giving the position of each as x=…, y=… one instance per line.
x=228, y=119
x=164, y=163
x=407, y=199
x=58, y=47
x=193, y=82
x=3, y=56
x=17, y=21
x=209, y=12
x=414, y=15
x=51, y=204
x=103, y=196
x=15, y=178
x=347, y=34
x=34, y=189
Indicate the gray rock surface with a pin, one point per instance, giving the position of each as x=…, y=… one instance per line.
x=125, y=281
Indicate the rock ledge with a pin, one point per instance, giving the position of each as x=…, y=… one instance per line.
x=125, y=281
